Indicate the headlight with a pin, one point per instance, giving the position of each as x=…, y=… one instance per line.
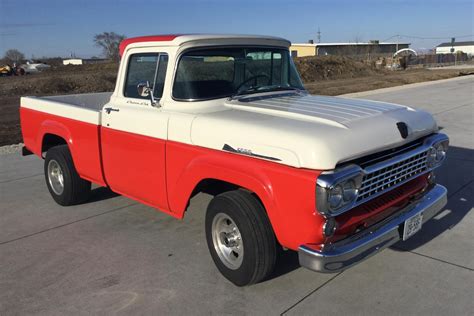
x=336, y=191
x=441, y=149
x=437, y=153
x=349, y=190
x=335, y=196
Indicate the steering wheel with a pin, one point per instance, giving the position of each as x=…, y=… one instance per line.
x=252, y=78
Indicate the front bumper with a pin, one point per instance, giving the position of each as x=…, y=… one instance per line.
x=350, y=251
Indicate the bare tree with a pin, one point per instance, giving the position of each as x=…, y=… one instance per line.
x=13, y=56
x=357, y=39
x=109, y=42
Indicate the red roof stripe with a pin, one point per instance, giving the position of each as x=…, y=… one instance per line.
x=151, y=38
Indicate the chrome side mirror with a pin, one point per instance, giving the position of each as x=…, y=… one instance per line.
x=145, y=90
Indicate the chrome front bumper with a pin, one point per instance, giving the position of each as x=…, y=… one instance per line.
x=350, y=251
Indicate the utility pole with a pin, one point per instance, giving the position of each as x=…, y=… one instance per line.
x=452, y=49
x=398, y=40
x=319, y=36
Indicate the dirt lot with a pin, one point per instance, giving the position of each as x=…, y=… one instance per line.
x=63, y=80
x=321, y=75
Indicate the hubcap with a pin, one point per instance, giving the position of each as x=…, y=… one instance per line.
x=55, y=177
x=227, y=241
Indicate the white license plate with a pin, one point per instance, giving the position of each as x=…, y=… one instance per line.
x=412, y=225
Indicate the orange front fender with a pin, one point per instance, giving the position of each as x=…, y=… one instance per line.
x=287, y=193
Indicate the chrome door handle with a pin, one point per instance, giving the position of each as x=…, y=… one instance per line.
x=108, y=110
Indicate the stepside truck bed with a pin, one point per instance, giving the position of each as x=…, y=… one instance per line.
x=75, y=118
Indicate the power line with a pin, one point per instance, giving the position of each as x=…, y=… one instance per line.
x=428, y=38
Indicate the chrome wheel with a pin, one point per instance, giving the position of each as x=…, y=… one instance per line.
x=227, y=241
x=55, y=177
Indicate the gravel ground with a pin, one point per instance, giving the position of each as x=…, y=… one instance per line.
x=10, y=149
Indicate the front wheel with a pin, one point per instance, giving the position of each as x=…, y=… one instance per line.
x=63, y=181
x=240, y=237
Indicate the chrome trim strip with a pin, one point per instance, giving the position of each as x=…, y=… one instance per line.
x=350, y=251
x=327, y=180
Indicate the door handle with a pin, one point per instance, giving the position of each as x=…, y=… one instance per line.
x=108, y=110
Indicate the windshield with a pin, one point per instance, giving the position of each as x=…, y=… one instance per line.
x=212, y=73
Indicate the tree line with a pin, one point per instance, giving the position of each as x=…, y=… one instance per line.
x=108, y=42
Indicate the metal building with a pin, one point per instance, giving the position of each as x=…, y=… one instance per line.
x=346, y=49
x=448, y=48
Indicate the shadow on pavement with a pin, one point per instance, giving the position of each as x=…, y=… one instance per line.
x=101, y=194
x=456, y=175
x=287, y=261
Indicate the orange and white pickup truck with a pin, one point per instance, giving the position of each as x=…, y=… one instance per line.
x=335, y=179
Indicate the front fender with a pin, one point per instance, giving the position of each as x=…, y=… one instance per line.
x=287, y=193
x=211, y=167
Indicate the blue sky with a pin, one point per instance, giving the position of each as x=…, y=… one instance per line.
x=59, y=27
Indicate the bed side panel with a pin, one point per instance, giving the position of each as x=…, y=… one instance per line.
x=80, y=131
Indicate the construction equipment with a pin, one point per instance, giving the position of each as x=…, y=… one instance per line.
x=6, y=70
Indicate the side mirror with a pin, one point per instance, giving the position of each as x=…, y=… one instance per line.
x=145, y=90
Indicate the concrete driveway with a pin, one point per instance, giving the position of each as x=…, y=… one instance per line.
x=115, y=256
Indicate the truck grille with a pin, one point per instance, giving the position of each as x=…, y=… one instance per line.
x=376, y=182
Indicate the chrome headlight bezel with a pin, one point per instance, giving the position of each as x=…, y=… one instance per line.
x=344, y=182
x=437, y=153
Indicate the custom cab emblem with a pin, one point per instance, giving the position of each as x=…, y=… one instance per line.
x=403, y=128
x=247, y=152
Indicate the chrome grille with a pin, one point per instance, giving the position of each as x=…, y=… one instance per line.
x=376, y=182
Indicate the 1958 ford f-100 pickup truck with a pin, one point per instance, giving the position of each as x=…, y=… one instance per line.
x=335, y=179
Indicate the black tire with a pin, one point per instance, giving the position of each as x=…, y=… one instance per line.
x=257, y=238
x=75, y=189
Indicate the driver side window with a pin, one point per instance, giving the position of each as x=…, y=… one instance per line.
x=145, y=67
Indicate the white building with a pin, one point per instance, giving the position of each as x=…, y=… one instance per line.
x=465, y=47
x=72, y=61
x=83, y=61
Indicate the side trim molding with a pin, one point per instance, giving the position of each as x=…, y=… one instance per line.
x=247, y=152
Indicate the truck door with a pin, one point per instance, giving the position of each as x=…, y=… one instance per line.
x=134, y=133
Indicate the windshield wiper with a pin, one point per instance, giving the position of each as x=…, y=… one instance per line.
x=264, y=89
x=280, y=88
x=243, y=92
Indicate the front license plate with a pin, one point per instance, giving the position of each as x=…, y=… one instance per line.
x=412, y=225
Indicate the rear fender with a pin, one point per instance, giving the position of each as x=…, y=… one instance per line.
x=54, y=128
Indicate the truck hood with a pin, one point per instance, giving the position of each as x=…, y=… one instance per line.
x=305, y=131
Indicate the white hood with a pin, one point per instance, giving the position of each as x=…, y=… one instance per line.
x=305, y=131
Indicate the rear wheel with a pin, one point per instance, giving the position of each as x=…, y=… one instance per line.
x=240, y=237
x=62, y=179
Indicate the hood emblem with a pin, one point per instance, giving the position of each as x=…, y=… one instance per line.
x=403, y=128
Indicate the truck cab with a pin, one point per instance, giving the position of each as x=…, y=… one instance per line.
x=335, y=179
